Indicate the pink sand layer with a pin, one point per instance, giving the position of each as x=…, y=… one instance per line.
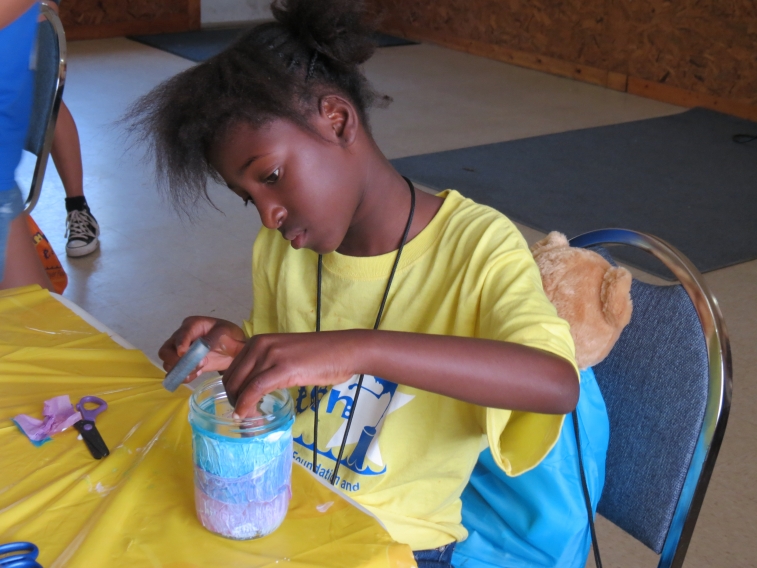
x=242, y=521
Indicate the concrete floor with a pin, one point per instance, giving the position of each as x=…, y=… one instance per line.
x=154, y=267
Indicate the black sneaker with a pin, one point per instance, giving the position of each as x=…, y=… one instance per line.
x=82, y=231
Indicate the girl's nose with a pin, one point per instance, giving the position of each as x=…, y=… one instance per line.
x=273, y=216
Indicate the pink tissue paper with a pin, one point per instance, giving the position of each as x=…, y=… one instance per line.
x=58, y=414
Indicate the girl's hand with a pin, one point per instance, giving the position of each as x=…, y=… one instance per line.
x=225, y=338
x=270, y=362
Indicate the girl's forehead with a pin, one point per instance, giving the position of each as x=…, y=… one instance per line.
x=244, y=139
x=273, y=129
x=244, y=136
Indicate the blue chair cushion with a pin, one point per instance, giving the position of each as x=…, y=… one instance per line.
x=655, y=384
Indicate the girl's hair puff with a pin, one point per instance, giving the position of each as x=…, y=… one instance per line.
x=278, y=69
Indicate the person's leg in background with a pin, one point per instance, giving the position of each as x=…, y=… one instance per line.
x=82, y=229
x=21, y=265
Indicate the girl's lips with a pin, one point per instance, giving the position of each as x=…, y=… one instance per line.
x=296, y=236
x=299, y=240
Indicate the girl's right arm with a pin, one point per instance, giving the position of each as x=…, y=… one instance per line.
x=226, y=340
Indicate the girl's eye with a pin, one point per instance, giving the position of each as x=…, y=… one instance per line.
x=273, y=178
x=248, y=200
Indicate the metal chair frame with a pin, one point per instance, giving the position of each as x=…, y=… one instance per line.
x=720, y=381
x=43, y=156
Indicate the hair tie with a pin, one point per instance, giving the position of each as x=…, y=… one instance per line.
x=311, y=66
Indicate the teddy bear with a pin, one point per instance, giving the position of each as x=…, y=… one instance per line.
x=593, y=296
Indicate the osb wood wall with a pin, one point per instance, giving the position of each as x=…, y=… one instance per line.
x=689, y=52
x=90, y=19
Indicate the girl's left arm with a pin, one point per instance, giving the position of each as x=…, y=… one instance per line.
x=485, y=372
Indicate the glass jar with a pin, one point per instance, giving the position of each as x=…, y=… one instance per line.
x=243, y=469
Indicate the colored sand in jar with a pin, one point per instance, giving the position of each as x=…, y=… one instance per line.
x=243, y=468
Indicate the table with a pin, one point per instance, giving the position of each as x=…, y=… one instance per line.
x=136, y=507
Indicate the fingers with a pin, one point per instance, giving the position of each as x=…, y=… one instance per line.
x=240, y=369
x=254, y=390
x=199, y=370
x=225, y=341
x=270, y=362
x=178, y=344
x=168, y=355
x=258, y=356
x=192, y=328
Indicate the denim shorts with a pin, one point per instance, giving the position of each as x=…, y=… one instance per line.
x=11, y=204
x=436, y=557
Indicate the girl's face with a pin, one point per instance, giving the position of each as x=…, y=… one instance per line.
x=305, y=186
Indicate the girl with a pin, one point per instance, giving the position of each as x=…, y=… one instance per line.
x=410, y=328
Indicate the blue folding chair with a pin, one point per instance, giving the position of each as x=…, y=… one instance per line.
x=50, y=77
x=667, y=386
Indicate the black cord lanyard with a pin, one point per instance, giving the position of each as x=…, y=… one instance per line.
x=585, y=488
x=316, y=400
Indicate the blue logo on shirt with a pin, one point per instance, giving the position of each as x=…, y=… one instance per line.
x=377, y=399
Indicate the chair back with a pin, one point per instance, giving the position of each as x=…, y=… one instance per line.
x=49, y=79
x=667, y=387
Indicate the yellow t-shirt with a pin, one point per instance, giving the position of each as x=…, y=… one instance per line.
x=410, y=453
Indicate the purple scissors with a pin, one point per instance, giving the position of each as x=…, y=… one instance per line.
x=87, y=428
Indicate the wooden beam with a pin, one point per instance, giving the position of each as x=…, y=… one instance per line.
x=682, y=97
x=617, y=81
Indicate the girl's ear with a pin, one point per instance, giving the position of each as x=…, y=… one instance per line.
x=338, y=119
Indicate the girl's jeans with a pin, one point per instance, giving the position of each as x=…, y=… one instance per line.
x=436, y=557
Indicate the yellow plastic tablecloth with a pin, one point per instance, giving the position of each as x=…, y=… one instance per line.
x=136, y=507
